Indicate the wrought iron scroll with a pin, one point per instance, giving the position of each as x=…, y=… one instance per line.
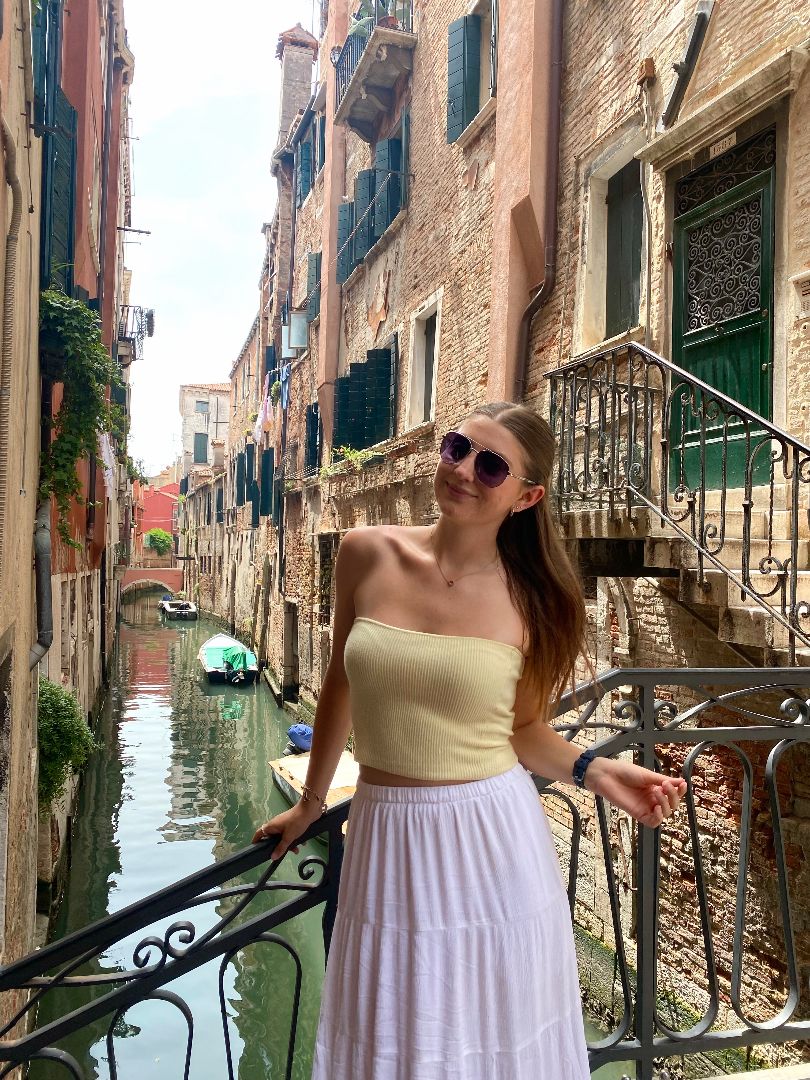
x=683, y=716
x=636, y=431
x=160, y=958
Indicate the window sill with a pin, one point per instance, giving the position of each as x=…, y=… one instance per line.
x=478, y=123
x=635, y=333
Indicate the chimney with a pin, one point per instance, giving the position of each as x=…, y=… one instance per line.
x=297, y=50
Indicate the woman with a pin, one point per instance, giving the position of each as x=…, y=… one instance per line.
x=452, y=956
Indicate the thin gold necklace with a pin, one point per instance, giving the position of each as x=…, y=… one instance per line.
x=450, y=582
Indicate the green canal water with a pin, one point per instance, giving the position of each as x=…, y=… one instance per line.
x=182, y=780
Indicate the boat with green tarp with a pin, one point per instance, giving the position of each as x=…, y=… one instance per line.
x=224, y=659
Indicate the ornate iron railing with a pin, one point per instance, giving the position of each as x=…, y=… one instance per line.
x=698, y=916
x=135, y=324
x=392, y=14
x=635, y=430
x=164, y=946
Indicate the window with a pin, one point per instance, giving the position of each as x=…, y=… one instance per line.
x=312, y=445
x=201, y=407
x=200, y=448
x=608, y=288
x=365, y=400
x=624, y=223
x=303, y=171
x=425, y=326
x=313, y=285
x=472, y=65
x=379, y=194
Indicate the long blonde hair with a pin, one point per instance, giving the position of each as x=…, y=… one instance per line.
x=542, y=581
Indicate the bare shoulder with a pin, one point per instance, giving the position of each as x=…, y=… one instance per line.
x=377, y=541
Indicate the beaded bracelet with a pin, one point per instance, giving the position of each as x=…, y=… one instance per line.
x=308, y=795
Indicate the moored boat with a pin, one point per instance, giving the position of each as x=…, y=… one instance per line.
x=177, y=609
x=224, y=659
x=289, y=776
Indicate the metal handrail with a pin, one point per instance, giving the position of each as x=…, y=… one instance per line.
x=673, y=719
x=637, y=431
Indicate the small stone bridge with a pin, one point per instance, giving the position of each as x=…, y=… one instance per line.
x=147, y=577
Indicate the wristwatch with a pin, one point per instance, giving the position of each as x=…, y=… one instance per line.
x=580, y=767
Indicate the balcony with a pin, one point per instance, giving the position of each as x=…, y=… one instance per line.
x=134, y=324
x=376, y=57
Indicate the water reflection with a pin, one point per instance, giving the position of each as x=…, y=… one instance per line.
x=181, y=781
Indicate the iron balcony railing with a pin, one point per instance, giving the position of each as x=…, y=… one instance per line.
x=135, y=324
x=635, y=430
x=697, y=919
x=391, y=14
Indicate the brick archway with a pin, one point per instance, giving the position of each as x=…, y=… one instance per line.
x=170, y=579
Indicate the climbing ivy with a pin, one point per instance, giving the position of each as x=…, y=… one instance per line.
x=160, y=541
x=74, y=355
x=64, y=739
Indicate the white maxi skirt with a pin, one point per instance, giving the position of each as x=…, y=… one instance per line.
x=453, y=955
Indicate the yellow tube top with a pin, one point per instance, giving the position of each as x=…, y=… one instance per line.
x=431, y=706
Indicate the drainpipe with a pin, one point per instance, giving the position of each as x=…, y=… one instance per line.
x=552, y=166
x=9, y=297
x=42, y=546
x=42, y=581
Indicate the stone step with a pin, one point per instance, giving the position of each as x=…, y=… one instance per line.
x=666, y=553
x=718, y=590
x=751, y=626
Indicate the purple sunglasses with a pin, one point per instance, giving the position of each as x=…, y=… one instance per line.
x=490, y=468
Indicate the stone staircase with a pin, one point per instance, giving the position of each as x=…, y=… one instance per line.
x=741, y=554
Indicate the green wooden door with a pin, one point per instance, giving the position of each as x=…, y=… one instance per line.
x=722, y=327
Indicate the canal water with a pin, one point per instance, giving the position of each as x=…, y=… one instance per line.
x=183, y=780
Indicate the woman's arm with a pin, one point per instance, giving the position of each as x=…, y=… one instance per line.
x=647, y=796
x=332, y=715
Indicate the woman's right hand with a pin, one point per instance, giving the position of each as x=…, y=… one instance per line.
x=288, y=826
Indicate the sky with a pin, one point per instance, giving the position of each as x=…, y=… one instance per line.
x=203, y=121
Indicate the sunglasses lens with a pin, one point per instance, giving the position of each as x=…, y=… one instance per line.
x=454, y=448
x=490, y=468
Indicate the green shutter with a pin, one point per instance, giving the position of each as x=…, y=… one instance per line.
x=59, y=197
x=269, y=360
x=304, y=178
x=266, y=500
x=356, y=420
x=345, y=257
x=340, y=436
x=623, y=269
x=220, y=506
x=321, y=141
x=363, y=194
x=250, y=464
x=463, y=73
x=312, y=443
x=387, y=163
x=240, y=479
x=254, y=505
x=379, y=407
x=200, y=448
x=313, y=285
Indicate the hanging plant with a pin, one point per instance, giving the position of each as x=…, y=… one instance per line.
x=74, y=355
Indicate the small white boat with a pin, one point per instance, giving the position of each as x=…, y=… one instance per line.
x=224, y=659
x=177, y=609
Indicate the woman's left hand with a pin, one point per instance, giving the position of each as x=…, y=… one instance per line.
x=647, y=796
